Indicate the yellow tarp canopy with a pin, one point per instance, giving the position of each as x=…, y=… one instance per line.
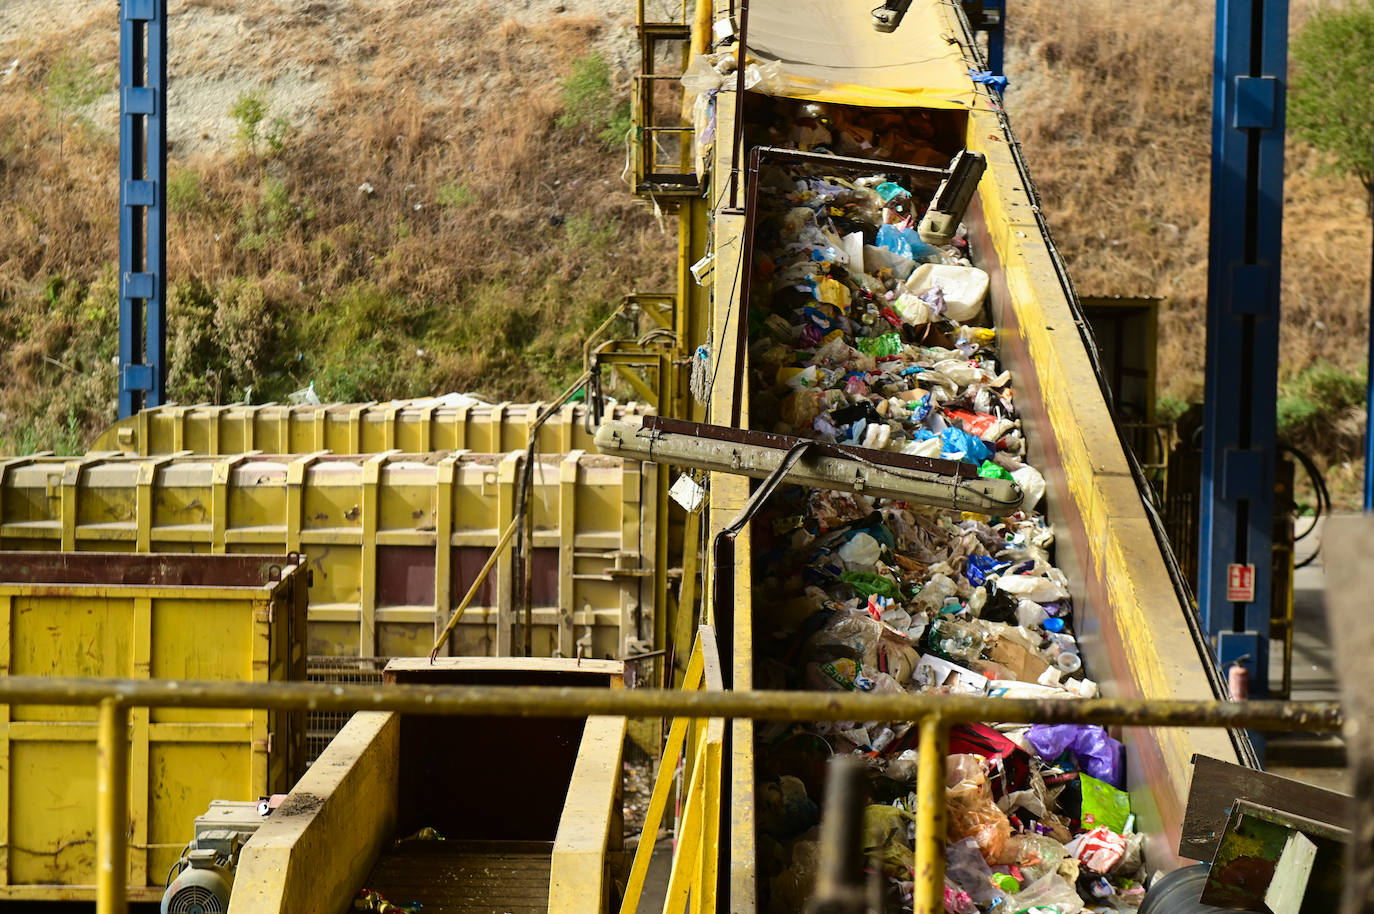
x=831, y=52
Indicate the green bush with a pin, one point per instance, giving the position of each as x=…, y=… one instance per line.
x=591, y=103
x=184, y=193
x=250, y=110
x=73, y=84
x=274, y=215
x=1312, y=399
x=454, y=195
x=1329, y=103
x=588, y=235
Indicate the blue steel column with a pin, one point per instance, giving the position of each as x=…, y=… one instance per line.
x=1369, y=399
x=995, y=16
x=1243, y=325
x=142, y=204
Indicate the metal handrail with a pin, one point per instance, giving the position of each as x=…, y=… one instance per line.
x=935, y=714
x=695, y=859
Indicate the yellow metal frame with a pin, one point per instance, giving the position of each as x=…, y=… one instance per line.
x=579, y=880
x=139, y=630
x=418, y=425
x=695, y=855
x=935, y=714
x=598, y=517
x=649, y=180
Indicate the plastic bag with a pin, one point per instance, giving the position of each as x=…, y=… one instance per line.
x=866, y=584
x=840, y=675
x=966, y=868
x=1103, y=804
x=887, y=344
x=794, y=886
x=1032, y=483
x=700, y=77
x=1095, y=752
x=885, y=836
x=964, y=288
x=1033, y=587
x=990, y=470
x=306, y=396
x=766, y=77
x=1038, y=856
x=1048, y=893
x=851, y=634
x=1100, y=849
x=971, y=811
x=957, y=444
x=860, y=552
x=958, y=901
x=960, y=641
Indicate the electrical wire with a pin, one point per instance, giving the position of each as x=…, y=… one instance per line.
x=1323, y=501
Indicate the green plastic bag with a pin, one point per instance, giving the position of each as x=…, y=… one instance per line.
x=1103, y=804
x=866, y=585
x=990, y=470
x=879, y=346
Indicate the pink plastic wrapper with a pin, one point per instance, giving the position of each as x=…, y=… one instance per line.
x=1101, y=849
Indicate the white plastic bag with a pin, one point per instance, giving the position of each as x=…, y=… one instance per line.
x=1032, y=483
x=964, y=288
x=700, y=77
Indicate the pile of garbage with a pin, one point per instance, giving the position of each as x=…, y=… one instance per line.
x=866, y=335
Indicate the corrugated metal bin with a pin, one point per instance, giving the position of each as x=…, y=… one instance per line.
x=395, y=540
x=236, y=618
x=415, y=426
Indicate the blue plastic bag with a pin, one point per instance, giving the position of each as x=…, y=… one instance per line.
x=957, y=444
x=980, y=566
x=904, y=243
x=889, y=237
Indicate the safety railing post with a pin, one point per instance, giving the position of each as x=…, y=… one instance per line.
x=930, y=816
x=112, y=808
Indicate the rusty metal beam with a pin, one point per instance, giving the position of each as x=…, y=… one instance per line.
x=856, y=470
x=471, y=701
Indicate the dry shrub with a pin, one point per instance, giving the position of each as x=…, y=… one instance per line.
x=411, y=235
x=1113, y=103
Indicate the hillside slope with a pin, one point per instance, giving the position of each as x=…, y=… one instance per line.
x=385, y=198
x=392, y=198
x=1112, y=102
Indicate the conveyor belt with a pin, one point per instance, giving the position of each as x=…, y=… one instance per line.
x=466, y=877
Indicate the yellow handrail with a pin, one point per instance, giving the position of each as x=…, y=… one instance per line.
x=695, y=856
x=705, y=707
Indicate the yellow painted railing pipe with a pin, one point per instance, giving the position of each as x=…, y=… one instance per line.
x=930, y=816
x=112, y=808
x=772, y=705
x=935, y=713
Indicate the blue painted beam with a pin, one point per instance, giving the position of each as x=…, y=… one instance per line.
x=1239, y=435
x=142, y=204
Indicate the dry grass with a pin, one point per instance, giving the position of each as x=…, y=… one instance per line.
x=1113, y=103
x=491, y=238
x=486, y=243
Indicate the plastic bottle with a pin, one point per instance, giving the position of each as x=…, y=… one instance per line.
x=956, y=640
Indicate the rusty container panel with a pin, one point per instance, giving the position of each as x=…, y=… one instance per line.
x=416, y=426
x=235, y=618
x=394, y=541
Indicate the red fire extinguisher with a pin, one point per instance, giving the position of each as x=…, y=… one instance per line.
x=1238, y=678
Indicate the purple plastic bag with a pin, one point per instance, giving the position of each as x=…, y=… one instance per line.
x=1094, y=751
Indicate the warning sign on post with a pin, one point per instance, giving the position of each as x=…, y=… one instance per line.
x=1240, y=583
